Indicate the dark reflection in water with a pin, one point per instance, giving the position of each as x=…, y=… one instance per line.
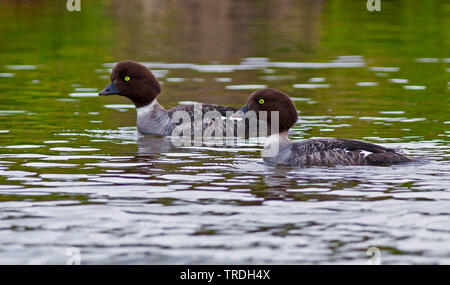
x=150, y=145
x=204, y=31
x=75, y=173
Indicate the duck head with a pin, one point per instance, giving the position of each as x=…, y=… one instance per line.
x=272, y=100
x=134, y=81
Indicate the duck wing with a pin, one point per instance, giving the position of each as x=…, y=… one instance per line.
x=344, y=144
x=205, y=123
x=205, y=108
x=315, y=152
x=219, y=108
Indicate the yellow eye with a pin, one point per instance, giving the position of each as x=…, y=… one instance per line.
x=127, y=78
x=261, y=101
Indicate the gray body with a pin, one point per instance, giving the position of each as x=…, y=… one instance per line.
x=330, y=152
x=155, y=119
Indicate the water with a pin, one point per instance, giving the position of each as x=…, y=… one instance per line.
x=75, y=173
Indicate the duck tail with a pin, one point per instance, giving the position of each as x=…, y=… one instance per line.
x=388, y=157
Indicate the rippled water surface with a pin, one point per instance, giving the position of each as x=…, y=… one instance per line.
x=74, y=172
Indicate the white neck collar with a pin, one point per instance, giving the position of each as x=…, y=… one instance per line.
x=147, y=108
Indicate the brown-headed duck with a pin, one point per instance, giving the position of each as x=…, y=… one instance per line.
x=136, y=82
x=279, y=149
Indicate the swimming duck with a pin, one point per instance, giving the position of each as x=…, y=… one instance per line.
x=136, y=82
x=279, y=149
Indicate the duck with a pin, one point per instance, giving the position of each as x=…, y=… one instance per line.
x=280, y=150
x=136, y=82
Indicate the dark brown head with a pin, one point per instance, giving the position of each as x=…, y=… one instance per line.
x=134, y=81
x=273, y=100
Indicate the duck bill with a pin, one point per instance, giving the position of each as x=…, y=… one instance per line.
x=240, y=113
x=111, y=89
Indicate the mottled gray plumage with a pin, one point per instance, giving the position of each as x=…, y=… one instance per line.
x=330, y=152
x=279, y=149
x=155, y=119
